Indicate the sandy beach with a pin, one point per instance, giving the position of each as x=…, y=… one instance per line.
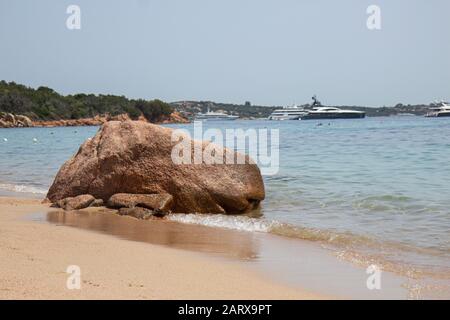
x=34, y=257
x=158, y=150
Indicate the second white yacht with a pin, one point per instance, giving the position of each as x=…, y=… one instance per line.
x=288, y=113
x=442, y=111
x=215, y=116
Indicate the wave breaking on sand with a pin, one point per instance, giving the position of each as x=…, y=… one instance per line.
x=22, y=188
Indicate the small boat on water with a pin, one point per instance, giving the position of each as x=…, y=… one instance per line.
x=318, y=111
x=442, y=111
x=288, y=113
x=215, y=116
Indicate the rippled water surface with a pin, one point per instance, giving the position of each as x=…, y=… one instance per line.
x=383, y=182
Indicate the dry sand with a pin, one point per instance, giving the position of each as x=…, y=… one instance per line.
x=34, y=257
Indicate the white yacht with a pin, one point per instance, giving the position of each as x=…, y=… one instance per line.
x=332, y=113
x=215, y=116
x=288, y=113
x=442, y=111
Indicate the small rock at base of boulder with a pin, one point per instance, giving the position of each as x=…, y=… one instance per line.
x=137, y=212
x=161, y=202
x=97, y=203
x=76, y=203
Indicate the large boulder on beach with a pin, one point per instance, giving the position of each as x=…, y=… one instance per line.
x=135, y=157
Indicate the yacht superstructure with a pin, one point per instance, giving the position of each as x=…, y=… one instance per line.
x=442, y=111
x=215, y=116
x=333, y=113
x=318, y=111
x=288, y=113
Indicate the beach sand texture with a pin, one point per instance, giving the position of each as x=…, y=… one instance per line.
x=34, y=257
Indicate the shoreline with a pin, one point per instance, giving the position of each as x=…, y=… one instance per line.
x=241, y=265
x=98, y=120
x=35, y=255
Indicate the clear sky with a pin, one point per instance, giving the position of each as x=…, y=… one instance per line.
x=270, y=52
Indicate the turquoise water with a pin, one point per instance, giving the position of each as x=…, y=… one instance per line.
x=378, y=186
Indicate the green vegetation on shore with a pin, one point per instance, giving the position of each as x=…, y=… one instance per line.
x=46, y=104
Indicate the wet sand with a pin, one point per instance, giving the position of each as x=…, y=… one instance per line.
x=34, y=257
x=292, y=262
x=125, y=258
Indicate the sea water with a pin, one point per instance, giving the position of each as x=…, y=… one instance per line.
x=375, y=190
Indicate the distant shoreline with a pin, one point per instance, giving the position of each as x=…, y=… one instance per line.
x=22, y=106
x=44, y=107
x=98, y=120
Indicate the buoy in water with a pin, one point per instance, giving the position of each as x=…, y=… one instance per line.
x=4, y=139
x=35, y=140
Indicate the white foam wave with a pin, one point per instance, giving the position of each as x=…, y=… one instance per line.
x=241, y=223
x=22, y=188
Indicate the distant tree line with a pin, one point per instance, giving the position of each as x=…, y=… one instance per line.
x=44, y=103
